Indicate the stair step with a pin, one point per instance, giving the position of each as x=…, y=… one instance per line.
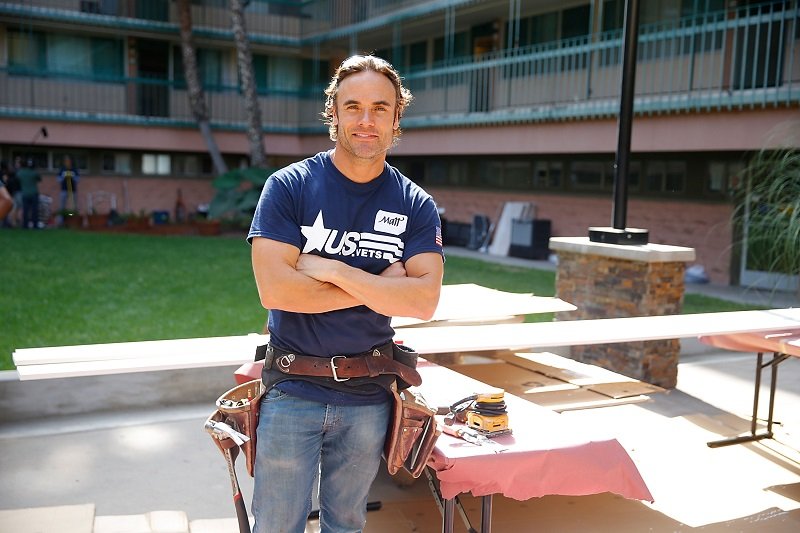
x=152, y=522
x=59, y=519
x=216, y=525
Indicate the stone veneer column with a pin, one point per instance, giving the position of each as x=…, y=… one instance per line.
x=617, y=281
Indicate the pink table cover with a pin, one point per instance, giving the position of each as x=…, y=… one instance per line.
x=545, y=455
x=784, y=341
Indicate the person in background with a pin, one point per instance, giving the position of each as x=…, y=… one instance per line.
x=68, y=178
x=29, y=184
x=15, y=218
x=6, y=201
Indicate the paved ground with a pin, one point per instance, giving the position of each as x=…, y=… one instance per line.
x=133, y=461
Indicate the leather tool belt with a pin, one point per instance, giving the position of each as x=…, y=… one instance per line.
x=235, y=421
x=412, y=431
x=380, y=361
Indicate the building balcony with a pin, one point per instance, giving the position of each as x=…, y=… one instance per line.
x=717, y=62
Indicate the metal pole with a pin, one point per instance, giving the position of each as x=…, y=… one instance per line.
x=631, y=37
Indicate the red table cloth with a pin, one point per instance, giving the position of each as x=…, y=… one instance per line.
x=545, y=453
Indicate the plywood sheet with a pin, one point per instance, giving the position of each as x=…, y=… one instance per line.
x=467, y=303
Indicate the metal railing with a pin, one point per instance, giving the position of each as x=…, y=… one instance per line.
x=745, y=58
x=272, y=21
x=738, y=59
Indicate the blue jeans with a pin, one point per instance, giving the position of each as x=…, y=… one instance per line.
x=30, y=211
x=301, y=442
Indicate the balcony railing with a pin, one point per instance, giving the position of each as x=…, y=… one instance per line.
x=268, y=21
x=743, y=59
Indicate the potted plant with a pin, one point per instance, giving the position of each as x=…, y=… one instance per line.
x=97, y=220
x=137, y=222
x=237, y=195
x=768, y=212
x=70, y=219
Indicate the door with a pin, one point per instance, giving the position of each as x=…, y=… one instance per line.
x=153, y=78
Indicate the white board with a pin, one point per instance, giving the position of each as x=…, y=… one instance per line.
x=501, y=240
x=462, y=302
x=68, y=361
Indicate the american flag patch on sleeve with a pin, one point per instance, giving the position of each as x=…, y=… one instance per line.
x=438, y=238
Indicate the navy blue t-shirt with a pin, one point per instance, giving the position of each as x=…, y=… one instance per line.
x=313, y=206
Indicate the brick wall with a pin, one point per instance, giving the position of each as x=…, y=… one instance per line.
x=704, y=226
x=143, y=193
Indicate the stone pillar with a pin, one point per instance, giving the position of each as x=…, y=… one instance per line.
x=617, y=281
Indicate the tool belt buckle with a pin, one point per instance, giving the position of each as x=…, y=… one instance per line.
x=334, y=367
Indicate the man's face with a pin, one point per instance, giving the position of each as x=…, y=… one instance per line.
x=365, y=115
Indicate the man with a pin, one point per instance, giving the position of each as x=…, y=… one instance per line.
x=341, y=242
x=29, y=185
x=68, y=178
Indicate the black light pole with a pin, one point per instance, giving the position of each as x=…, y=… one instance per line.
x=619, y=233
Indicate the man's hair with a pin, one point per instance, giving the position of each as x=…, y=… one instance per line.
x=354, y=65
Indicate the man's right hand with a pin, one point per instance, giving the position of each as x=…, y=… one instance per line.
x=395, y=270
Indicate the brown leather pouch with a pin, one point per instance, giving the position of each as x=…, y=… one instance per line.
x=412, y=433
x=238, y=408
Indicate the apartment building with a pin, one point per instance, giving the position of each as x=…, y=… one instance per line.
x=515, y=100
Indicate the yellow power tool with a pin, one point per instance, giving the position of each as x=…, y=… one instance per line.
x=484, y=412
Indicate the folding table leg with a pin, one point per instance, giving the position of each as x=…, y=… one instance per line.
x=486, y=514
x=777, y=358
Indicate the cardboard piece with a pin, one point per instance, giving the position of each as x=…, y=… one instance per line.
x=557, y=382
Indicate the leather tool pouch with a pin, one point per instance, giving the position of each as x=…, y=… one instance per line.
x=412, y=433
x=239, y=408
x=413, y=430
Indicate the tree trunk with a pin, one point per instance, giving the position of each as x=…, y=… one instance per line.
x=244, y=57
x=194, y=89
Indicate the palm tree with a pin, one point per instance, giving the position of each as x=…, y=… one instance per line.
x=197, y=99
x=245, y=59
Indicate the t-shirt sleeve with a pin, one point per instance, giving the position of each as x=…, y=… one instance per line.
x=426, y=231
x=275, y=216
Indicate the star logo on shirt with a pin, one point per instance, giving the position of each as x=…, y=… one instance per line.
x=316, y=235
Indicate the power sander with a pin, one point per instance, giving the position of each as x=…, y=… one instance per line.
x=485, y=412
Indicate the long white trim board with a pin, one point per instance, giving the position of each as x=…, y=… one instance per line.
x=472, y=302
x=99, y=359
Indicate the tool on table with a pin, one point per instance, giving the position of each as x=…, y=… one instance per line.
x=483, y=412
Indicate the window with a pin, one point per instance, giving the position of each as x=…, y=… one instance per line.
x=41, y=159
x=460, y=48
x=27, y=51
x=117, y=163
x=79, y=160
x=547, y=174
x=209, y=67
x=275, y=73
x=315, y=73
x=723, y=176
x=39, y=53
x=158, y=164
x=587, y=175
x=187, y=165
x=665, y=176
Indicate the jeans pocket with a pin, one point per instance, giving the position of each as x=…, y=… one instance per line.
x=274, y=394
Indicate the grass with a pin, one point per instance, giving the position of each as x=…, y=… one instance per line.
x=65, y=287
